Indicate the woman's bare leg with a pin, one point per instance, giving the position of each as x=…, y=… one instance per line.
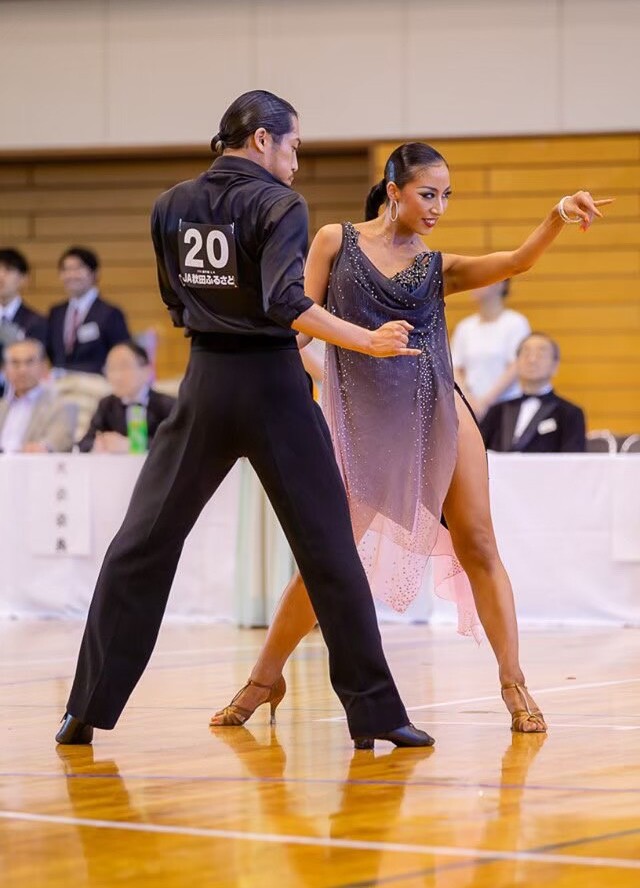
x=294, y=618
x=468, y=516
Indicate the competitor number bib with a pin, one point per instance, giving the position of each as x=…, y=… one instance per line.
x=207, y=256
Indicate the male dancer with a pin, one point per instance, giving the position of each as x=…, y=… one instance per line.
x=230, y=249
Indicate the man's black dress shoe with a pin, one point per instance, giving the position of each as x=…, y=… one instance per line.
x=407, y=735
x=74, y=732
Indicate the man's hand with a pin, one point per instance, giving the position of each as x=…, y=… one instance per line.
x=390, y=340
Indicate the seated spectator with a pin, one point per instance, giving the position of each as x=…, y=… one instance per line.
x=128, y=372
x=483, y=349
x=17, y=320
x=538, y=421
x=83, y=329
x=32, y=418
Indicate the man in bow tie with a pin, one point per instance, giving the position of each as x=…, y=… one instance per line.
x=539, y=421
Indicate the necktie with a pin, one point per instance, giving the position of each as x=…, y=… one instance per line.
x=71, y=329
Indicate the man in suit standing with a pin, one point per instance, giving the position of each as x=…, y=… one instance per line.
x=128, y=372
x=17, y=320
x=32, y=418
x=83, y=329
x=539, y=421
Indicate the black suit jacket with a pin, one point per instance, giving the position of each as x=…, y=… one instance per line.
x=111, y=416
x=33, y=324
x=88, y=357
x=557, y=427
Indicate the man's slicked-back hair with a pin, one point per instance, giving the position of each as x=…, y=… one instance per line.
x=250, y=112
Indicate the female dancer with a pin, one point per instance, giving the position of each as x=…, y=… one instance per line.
x=407, y=445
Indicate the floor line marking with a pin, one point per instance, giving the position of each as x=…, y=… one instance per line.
x=555, y=725
x=326, y=842
x=449, y=867
x=536, y=692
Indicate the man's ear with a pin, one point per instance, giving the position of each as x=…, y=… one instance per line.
x=260, y=140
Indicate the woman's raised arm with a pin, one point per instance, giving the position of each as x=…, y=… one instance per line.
x=470, y=272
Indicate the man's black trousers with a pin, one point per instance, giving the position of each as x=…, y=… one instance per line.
x=253, y=402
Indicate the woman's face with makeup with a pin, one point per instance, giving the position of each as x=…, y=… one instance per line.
x=423, y=199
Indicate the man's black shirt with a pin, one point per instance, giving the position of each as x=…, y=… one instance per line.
x=271, y=237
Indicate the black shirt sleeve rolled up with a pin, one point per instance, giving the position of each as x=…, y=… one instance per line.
x=282, y=262
x=169, y=298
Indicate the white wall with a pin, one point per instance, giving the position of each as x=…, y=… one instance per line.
x=144, y=72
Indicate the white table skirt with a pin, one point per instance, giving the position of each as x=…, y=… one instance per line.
x=62, y=584
x=568, y=528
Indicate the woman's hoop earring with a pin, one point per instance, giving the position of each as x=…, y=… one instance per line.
x=394, y=203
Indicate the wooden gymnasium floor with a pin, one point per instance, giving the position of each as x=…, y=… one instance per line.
x=162, y=801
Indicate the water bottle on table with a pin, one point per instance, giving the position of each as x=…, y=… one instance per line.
x=137, y=429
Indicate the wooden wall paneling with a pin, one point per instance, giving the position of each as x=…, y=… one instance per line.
x=90, y=226
x=590, y=373
x=616, y=233
x=77, y=200
x=526, y=207
x=594, y=346
x=580, y=264
x=532, y=151
x=14, y=226
x=599, y=289
x=150, y=171
x=13, y=174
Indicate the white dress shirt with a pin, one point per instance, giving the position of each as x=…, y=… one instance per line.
x=484, y=350
x=528, y=410
x=14, y=428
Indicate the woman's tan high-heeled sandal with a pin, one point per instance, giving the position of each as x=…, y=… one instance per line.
x=234, y=715
x=520, y=717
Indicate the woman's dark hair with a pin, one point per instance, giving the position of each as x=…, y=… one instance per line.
x=84, y=254
x=249, y=112
x=401, y=168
